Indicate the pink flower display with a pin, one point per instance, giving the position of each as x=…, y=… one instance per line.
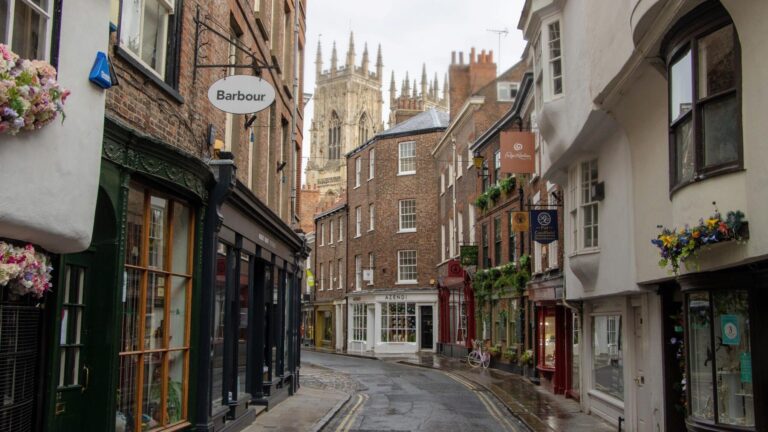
x=24, y=271
x=30, y=97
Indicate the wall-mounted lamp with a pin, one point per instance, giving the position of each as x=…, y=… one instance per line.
x=478, y=161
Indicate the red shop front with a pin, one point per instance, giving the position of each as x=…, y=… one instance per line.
x=457, y=311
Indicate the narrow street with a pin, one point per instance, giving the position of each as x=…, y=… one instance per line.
x=396, y=397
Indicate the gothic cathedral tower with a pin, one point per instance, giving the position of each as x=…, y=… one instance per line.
x=347, y=112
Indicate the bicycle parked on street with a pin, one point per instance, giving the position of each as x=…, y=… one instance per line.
x=478, y=357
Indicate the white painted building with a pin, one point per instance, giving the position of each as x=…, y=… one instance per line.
x=650, y=111
x=50, y=176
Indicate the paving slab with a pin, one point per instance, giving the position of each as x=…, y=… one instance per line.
x=307, y=410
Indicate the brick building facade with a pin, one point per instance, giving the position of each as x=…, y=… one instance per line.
x=392, y=194
x=330, y=271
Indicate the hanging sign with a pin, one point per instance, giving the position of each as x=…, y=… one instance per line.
x=241, y=94
x=544, y=226
x=520, y=221
x=310, y=278
x=468, y=254
x=729, y=326
x=517, y=152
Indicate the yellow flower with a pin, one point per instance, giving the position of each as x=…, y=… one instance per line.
x=668, y=240
x=711, y=223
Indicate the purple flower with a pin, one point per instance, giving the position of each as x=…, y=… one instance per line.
x=9, y=112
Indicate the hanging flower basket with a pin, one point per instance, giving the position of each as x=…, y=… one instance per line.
x=24, y=271
x=678, y=246
x=30, y=97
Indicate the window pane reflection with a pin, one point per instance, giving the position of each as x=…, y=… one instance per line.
x=700, y=357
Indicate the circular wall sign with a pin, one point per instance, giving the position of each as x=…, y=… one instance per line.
x=241, y=94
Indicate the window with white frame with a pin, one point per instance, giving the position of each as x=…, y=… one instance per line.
x=331, y=280
x=470, y=156
x=371, y=217
x=330, y=232
x=359, y=322
x=358, y=221
x=341, y=229
x=442, y=183
x=358, y=272
x=450, y=174
x=407, y=158
x=322, y=234
x=554, y=58
x=459, y=167
x=442, y=242
x=407, y=215
x=607, y=358
x=588, y=209
x=460, y=225
x=497, y=166
x=322, y=278
x=371, y=163
x=552, y=248
x=25, y=26
x=341, y=274
x=144, y=30
x=451, y=238
x=471, y=210
x=371, y=267
x=506, y=91
x=406, y=266
x=398, y=322
x=573, y=213
x=358, y=168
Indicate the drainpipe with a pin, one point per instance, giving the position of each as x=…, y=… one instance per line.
x=294, y=114
x=224, y=173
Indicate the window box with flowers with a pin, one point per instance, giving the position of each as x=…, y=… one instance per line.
x=676, y=246
x=30, y=97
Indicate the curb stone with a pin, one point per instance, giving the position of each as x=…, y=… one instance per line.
x=329, y=415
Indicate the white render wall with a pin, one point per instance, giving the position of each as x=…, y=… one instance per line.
x=50, y=177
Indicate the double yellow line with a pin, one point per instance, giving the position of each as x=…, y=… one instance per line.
x=351, y=416
x=493, y=410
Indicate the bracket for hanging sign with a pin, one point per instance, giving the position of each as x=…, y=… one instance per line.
x=205, y=25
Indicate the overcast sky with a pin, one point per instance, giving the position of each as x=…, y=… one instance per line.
x=411, y=33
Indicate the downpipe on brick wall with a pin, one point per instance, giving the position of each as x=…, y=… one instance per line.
x=294, y=114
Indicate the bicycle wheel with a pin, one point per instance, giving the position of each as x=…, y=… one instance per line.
x=474, y=359
x=486, y=360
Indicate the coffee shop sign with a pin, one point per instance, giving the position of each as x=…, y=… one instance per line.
x=241, y=94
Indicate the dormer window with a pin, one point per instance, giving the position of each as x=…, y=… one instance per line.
x=507, y=91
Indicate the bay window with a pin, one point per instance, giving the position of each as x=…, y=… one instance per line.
x=703, y=62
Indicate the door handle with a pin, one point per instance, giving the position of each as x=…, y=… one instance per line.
x=87, y=373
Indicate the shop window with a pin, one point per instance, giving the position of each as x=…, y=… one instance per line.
x=398, y=322
x=576, y=353
x=720, y=358
x=458, y=317
x=407, y=158
x=546, y=354
x=154, y=348
x=26, y=26
x=607, y=355
x=147, y=34
x=406, y=266
x=219, y=327
x=359, y=322
x=243, y=292
x=703, y=65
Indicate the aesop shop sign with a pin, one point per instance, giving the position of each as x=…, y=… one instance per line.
x=241, y=94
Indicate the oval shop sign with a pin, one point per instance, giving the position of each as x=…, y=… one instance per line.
x=241, y=94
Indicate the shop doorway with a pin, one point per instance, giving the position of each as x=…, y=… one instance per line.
x=427, y=342
x=82, y=364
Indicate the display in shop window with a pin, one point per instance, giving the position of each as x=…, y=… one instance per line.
x=30, y=97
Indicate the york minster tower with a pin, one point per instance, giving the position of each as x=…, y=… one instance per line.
x=347, y=112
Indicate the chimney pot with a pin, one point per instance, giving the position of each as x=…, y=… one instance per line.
x=490, y=56
x=453, y=57
x=461, y=57
x=472, y=56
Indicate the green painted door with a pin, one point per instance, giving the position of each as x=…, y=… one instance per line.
x=76, y=372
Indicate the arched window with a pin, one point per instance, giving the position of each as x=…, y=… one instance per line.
x=362, y=128
x=334, y=137
x=704, y=69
